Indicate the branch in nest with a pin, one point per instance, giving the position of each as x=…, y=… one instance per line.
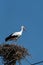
x=12, y=53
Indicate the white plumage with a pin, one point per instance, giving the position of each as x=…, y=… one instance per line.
x=16, y=35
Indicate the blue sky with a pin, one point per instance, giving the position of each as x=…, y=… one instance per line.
x=13, y=14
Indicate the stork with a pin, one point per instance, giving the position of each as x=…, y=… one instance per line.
x=15, y=35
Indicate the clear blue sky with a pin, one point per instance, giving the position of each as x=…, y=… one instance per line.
x=13, y=14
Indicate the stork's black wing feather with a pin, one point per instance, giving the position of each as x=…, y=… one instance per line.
x=10, y=37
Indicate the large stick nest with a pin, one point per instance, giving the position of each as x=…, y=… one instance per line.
x=12, y=53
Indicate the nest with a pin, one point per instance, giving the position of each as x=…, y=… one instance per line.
x=12, y=53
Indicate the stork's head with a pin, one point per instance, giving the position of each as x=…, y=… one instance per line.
x=23, y=27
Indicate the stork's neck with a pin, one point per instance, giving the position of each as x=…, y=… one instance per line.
x=21, y=30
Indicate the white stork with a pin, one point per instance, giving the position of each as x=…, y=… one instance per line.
x=16, y=35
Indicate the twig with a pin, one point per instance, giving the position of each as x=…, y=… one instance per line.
x=19, y=63
x=9, y=61
x=27, y=61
